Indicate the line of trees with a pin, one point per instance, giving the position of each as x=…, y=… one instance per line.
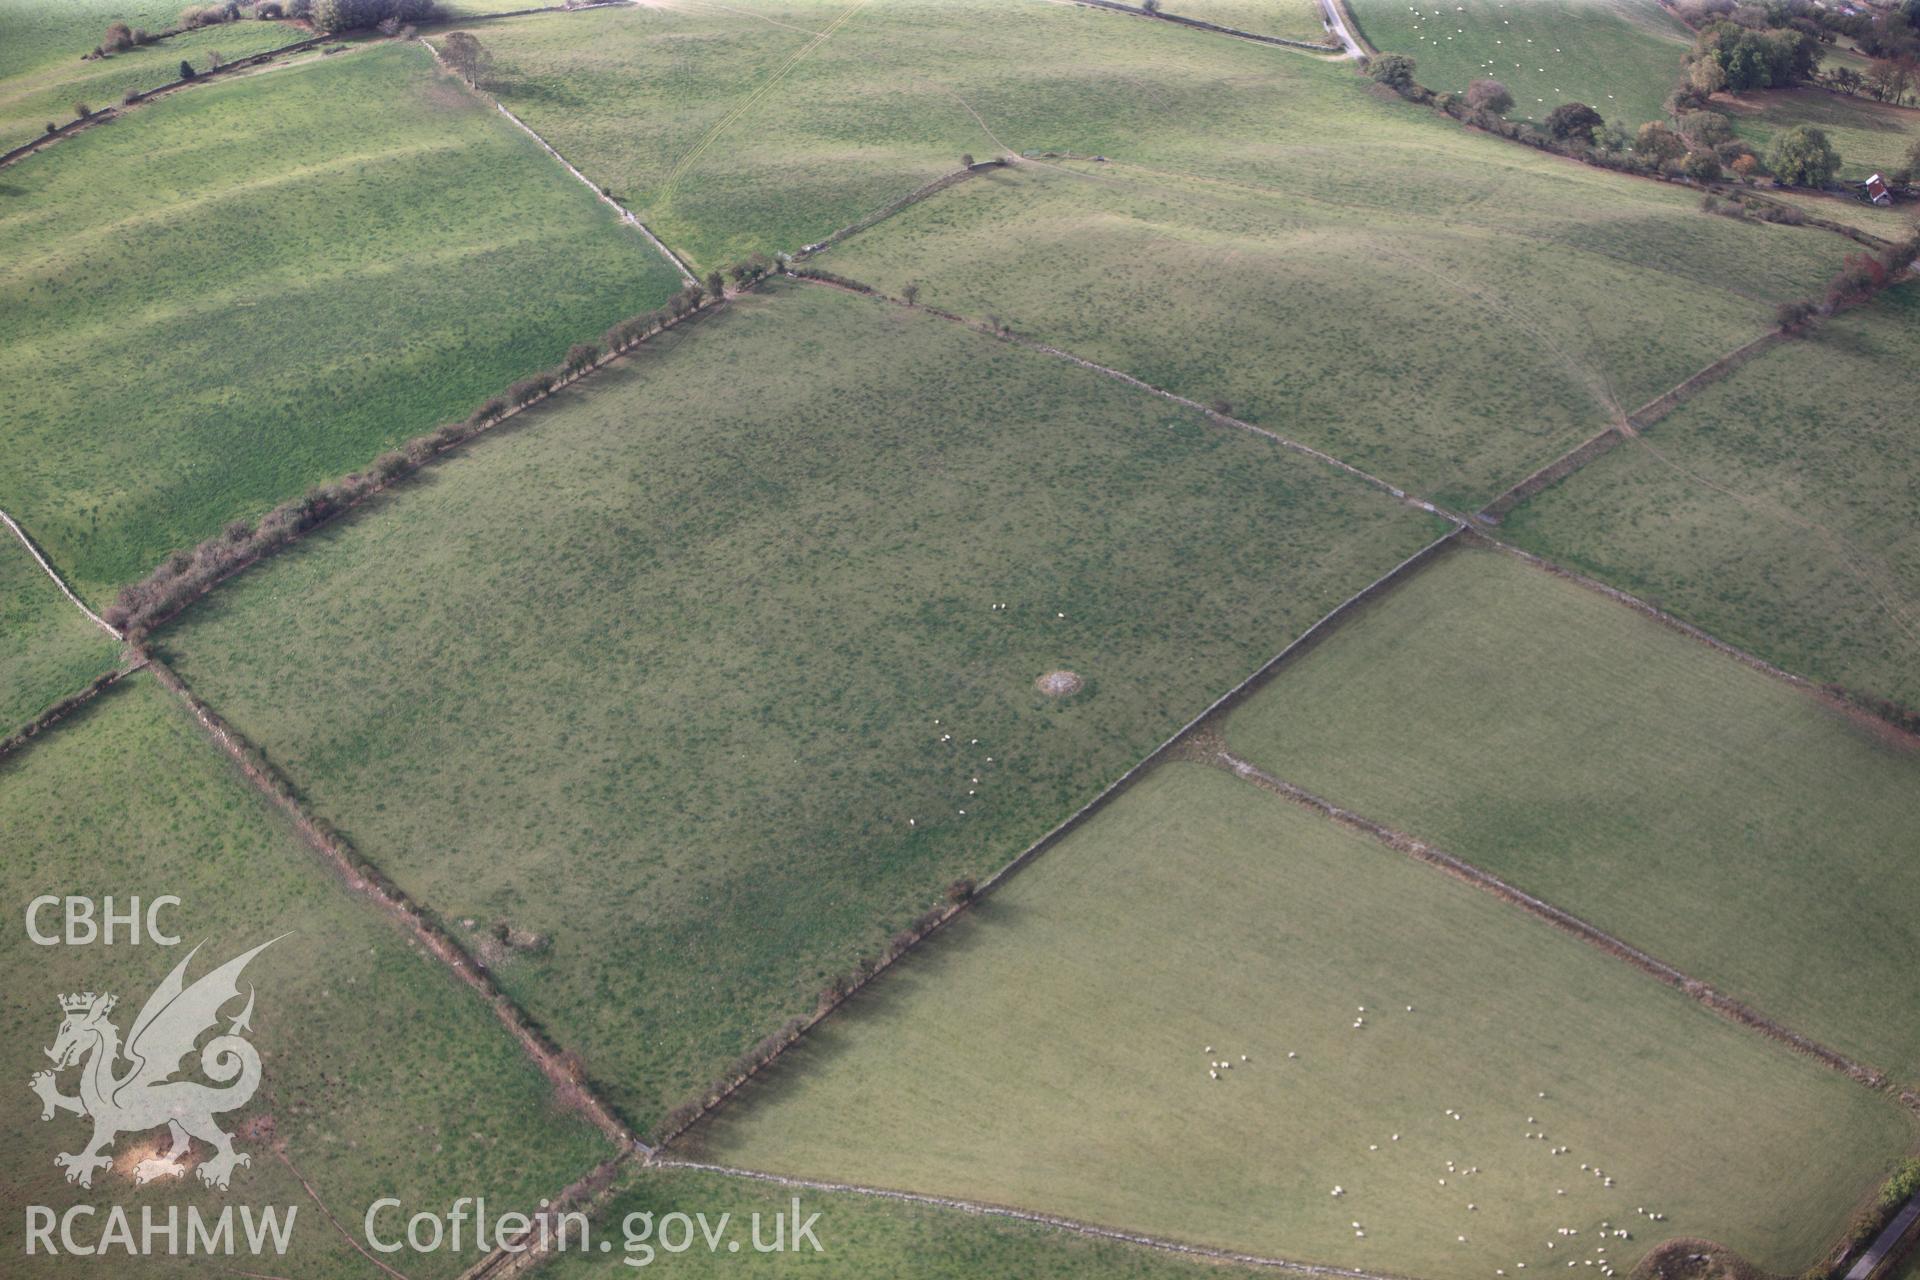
x=1694, y=142
x=353, y=15
x=184, y=575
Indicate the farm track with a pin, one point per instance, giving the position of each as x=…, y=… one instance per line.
x=1043, y=1219
x=1734, y=1011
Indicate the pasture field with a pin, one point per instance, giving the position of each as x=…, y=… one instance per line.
x=30, y=99
x=1052, y=1049
x=1870, y=136
x=1733, y=826
x=1620, y=57
x=1291, y=19
x=36, y=34
x=381, y=1076
x=1887, y=223
x=730, y=131
x=1452, y=342
x=211, y=304
x=695, y=694
x=1776, y=509
x=47, y=648
x=861, y=1237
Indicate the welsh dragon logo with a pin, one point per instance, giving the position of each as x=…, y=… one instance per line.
x=144, y=1095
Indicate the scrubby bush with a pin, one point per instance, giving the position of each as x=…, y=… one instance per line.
x=1490, y=96
x=118, y=39
x=1395, y=70
x=1701, y=166
x=1574, y=121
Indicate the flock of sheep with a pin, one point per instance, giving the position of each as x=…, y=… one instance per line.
x=1218, y=1067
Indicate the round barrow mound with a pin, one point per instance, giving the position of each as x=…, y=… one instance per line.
x=1059, y=684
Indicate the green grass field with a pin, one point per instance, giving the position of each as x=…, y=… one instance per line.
x=1729, y=824
x=1453, y=342
x=213, y=303
x=1776, y=508
x=1290, y=19
x=382, y=1076
x=47, y=648
x=669, y=686
x=29, y=100
x=1870, y=136
x=36, y=34
x=860, y=1237
x=1050, y=1050
x=1621, y=57
x=730, y=130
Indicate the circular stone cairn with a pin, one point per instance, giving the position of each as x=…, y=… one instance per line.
x=1059, y=684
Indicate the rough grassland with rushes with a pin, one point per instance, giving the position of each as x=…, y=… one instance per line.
x=29, y=100
x=1449, y=340
x=1870, y=136
x=1049, y=1050
x=47, y=648
x=863, y=1238
x=382, y=1076
x=1621, y=57
x=211, y=304
x=1730, y=824
x=1778, y=509
x=667, y=683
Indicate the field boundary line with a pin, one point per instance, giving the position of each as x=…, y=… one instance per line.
x=1212, y=415
x=524, y=1251
x=1478, y=526
x=626, y=215
x=367, y=880
x=58, y=581
x=1735, y=1011
x=440, y=450
x=715, y=1098
x=1604, y=441
x=1631, y=425
x=61, y=708
x=1200, y=24
x=899, y=203
x=985, y=1209
x=106, y=115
